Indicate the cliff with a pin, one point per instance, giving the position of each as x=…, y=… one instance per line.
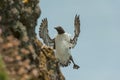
x=22, y=55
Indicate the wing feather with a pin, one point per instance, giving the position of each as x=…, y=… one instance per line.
x=43, y=33
x=76, y=31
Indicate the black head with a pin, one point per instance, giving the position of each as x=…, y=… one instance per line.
x=60, y=30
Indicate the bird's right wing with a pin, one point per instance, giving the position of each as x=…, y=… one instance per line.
x=43, y=33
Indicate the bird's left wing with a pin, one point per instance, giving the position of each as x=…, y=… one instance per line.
x=76, y=31
x=43, y=33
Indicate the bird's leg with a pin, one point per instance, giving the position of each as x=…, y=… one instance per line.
x=75, y=66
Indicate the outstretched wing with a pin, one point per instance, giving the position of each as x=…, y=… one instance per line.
x=43, y=33
x=76, y=31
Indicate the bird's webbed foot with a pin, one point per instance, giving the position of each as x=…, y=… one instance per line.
x=75, y=66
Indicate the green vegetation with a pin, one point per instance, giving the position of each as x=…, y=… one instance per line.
x=3, y=74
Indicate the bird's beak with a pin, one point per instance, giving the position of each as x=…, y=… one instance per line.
x=55, y=28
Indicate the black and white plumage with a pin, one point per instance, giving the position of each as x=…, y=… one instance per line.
x=62, y=43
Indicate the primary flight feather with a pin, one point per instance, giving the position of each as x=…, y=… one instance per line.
x=62, y=43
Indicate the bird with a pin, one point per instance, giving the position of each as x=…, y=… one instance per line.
x=63, y=42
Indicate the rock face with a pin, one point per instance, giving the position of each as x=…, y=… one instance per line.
x=22, y=55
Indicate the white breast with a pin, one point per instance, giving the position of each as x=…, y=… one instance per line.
x=62, y=47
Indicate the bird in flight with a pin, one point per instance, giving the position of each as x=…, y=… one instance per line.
x=62, y=43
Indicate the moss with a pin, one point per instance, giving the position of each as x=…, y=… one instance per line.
x=3, y=74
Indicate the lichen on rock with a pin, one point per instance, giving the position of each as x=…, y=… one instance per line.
x=24, y=56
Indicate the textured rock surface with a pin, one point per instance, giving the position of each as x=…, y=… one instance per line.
x=22, y=55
